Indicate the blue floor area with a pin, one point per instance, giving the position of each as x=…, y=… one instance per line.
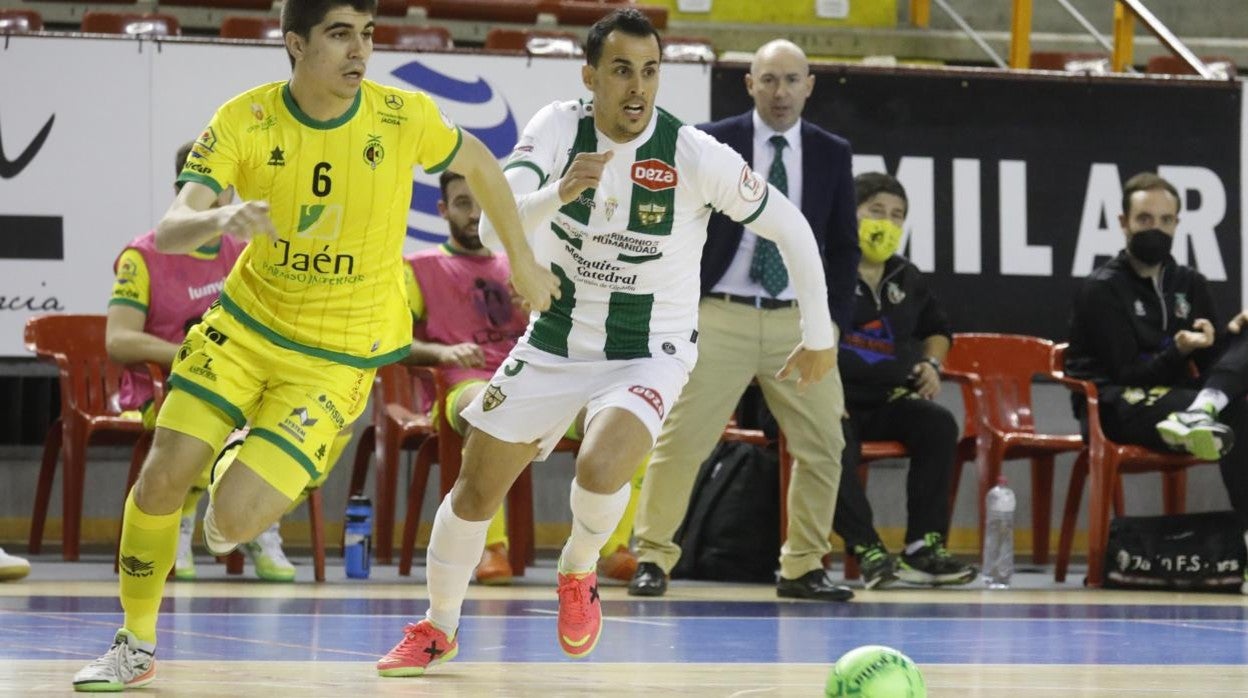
x=300, y=629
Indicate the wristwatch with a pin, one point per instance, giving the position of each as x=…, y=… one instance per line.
x=933, y=362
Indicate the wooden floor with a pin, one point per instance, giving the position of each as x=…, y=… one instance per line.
x=241, y=637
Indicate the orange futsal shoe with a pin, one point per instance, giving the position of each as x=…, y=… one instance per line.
x=494, y=568
x=620, y=565
x=580, y=614
x=422, y=646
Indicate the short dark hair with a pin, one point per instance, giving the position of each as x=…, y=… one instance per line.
x=868, y=184
x=179, y=162
x=299, y=16
x=628, y=20
x=444, y=181
x=1147, y=181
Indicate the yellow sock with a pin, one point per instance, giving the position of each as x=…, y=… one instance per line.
x=497, y=532
x=149, y=545
x=623, y=532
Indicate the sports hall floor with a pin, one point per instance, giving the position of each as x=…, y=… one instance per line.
x=240, y=637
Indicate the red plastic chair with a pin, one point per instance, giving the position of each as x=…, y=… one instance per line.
x=537, y=42
x=257, y=5
x=256, y=28
x=1070, y=61
x=130, y=23
x=409, y=37
x=586, y=12
x=521, y=549
x=400, y=422
x=17, y=21
x=1102, y=463
x=510, y=11
x=1004, y=366
x=89, y=416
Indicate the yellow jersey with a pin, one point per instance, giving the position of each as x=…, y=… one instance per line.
x=331, y=283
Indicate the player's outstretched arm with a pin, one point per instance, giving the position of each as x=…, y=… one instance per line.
x=192, y=221
x=534, y=283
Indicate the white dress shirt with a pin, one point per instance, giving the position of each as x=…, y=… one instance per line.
x=736, y=280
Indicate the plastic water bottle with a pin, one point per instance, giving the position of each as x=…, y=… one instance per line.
x=999, y=536
x=358, y=537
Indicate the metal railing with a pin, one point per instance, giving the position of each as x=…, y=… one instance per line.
x=1126, y=12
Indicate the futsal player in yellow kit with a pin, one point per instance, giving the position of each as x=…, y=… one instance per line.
x=322, y=167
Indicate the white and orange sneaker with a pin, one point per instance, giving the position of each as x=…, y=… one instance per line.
x=129, y=663
x=580, y=614
x=422, y=646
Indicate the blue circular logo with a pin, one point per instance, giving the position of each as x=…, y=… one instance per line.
x=466, y=99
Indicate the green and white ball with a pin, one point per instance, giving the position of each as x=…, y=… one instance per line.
x=875, y=671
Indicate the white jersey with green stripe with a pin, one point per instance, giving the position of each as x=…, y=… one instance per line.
x=628, y=253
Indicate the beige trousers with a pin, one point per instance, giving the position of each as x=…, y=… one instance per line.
x=736, y=344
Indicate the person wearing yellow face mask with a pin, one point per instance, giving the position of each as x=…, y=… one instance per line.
x=890, y=364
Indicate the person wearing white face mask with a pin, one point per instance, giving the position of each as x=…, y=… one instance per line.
x=890, y=364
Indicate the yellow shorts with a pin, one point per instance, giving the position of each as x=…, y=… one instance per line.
x=227, y=376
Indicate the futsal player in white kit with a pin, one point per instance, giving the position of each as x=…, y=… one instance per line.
x=615, y=196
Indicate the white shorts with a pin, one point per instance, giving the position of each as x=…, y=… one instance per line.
x=535, y=395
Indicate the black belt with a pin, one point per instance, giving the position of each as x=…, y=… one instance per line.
x=756, y=301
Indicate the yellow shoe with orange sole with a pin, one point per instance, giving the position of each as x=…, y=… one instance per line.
x=620, y=565
x=494, y=568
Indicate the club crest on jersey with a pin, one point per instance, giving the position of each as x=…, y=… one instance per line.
x=257, y=111
x=651, y=214
x=373, y=152
x=207, y=139
x=654, y=174
x=609, y=209
x=492, y=397
x=1182, y=308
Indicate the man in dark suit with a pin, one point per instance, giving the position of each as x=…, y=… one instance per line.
x=748, y=323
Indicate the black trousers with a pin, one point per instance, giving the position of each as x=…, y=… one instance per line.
x=1130, y=415
x=930, y=433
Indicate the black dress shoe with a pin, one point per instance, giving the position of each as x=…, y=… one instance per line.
x=813, y=585
x=648, y=580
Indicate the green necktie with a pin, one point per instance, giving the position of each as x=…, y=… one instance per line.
x=766, y=267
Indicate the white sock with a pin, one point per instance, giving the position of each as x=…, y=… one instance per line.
x=1209, y=397
x=454, y=550
x=594, y=518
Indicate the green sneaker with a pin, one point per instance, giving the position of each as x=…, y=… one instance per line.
x=267, y=556
x=879, y=569
x=934, y=565
x=1198, y=433
x=184, y=564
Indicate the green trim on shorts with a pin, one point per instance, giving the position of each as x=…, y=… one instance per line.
x=289, y=449
x=128, y=302
x=336, y=356
x=205, y=395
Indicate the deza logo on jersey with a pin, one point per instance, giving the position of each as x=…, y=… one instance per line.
x=654, y=175
x=469, y=102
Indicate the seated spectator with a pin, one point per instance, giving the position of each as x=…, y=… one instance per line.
x=467, y=320
x=890, y=364
x=12, y=567
x=1140, y=322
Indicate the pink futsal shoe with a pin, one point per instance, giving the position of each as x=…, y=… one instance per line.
x=422, y=646
x=580, y=614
